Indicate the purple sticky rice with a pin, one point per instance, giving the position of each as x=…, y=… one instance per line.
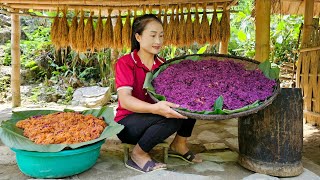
x=195, y=85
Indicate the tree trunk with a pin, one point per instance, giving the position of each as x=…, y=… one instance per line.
x=270, y=142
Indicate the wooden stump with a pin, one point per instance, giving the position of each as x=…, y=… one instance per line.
x=270, y=141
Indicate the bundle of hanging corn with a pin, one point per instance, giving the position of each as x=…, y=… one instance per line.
x=204, y=27
x=159, y=13
x=89, y=33
x=225, y=24
x=64, y=30
x=150, y=9
x=73, y=31
x=175, y=32
x=118, y=33
x=144, y=9
x=189, y=28
x=98, y=42
x=55, y=31
x=81, y=43
x=165, y=26
x=135, y=13
x=126, y=31
x=215, y=27
x=196, y=26
x=181, y=29
x=107, y=34
x=170, y=28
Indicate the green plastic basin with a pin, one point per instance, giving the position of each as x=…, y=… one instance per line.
x=58, y=164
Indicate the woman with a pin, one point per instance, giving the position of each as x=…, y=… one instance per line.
x=147, y=123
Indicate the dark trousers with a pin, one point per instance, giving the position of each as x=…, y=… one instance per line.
x=148, y=130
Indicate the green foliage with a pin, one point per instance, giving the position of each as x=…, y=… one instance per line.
x=269, y=71
x=284, y=37
x=69, y=94
x=35, y=94
x=4, y=83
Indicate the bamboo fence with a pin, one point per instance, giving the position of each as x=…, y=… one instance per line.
x=308, y=75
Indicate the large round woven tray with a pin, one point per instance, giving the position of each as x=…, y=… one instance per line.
x=249, y=64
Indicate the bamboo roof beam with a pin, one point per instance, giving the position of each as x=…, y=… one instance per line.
x=110, y=2
x=72, y=7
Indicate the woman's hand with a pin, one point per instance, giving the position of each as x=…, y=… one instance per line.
x=164, y=108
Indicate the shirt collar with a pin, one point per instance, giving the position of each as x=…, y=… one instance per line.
x=138, y=62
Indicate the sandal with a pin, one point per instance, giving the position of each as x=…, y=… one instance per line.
x=148, y=167
x=188, y=157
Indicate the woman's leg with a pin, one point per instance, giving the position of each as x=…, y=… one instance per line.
x=146, y=131
x=179, y=143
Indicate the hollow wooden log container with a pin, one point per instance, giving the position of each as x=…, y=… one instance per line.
x=270, y=141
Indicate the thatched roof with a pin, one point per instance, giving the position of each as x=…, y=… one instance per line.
x=293, y=7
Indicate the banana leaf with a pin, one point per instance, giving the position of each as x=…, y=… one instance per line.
x=152, y=75
x=12, y=136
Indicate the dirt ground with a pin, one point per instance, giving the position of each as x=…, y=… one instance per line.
x=311, y=143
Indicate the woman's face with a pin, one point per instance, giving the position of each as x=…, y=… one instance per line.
x=151, y=38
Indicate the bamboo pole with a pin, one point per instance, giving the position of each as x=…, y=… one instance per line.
x=307, y=25
x=263, y=7
x=15, y=53
x=95, y=7
x=107, y=3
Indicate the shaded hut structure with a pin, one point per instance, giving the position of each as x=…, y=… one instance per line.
x=308, y=66
x=91, y=10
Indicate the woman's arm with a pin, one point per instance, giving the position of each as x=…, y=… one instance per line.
x=133, y=104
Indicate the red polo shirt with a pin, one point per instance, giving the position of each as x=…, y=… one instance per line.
x=131, y=73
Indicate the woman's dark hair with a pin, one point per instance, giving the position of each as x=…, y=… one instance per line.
x=138, y=27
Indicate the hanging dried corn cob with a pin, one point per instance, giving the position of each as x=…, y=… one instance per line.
x=150, y=9
x=215, y=27
x=204, y=27
x=181, y=29
x=107, y=34
x=126, y=31
x=73, y=31
x=89, y=33
x=189, y=28
x=170, y=28
x=118, y=33
x=196, y=25
x=144, y=9
x=165, y=26
x=159, y=13
x=98, y=43
x=225, y=24
x=81, y=44
x=64, y=30
x=54, y=31
x=174, y=35
x=135, y=13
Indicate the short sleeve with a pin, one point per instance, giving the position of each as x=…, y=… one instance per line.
x=124, y=74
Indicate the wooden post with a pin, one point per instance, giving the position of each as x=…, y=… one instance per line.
x=263, y=10
x=15, y=62
x=307, y=25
